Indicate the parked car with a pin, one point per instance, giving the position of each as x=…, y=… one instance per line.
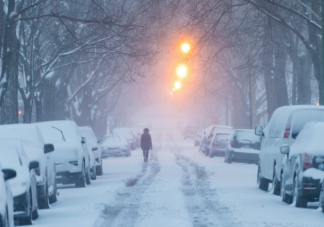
x=23, y=186
x=36, y=150
x=72, y=158
x=198, y=137
x=190, y=131
x=128, y=133
x=303, y=166
x=321, y=198
x=209, y=134
x=95, y=146
x=243, y=146
x=283, y=128
x=218, y=144
x=6, y=199
x=115, y=145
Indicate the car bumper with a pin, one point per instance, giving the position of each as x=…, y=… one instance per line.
x=21, y=206
x=72, y=165
x=67, y=177
x=310, y=187
x=243, y=157
x=114, y=153
x=217, y=151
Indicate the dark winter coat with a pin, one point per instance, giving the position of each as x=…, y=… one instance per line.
x=146, y=141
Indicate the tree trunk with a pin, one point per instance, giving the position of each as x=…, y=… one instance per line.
x=9, y=109
x=27, y=111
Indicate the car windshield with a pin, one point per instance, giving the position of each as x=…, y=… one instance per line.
x=29, y=133
x=90, y=137
x=10, y=158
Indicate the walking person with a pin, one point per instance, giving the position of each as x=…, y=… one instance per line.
x=146, y=143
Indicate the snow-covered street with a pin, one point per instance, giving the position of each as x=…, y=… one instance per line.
x=177, y=187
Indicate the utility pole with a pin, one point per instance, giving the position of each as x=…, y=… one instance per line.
x=321, y=98
x=250, y=96
x=227, y=105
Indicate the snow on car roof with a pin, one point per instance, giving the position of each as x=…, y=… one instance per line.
x=70, y=129
x=280, y=117
x=21, y=131
x=310, y=140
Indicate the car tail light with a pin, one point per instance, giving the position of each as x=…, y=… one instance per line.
x=307, y=160
x=232, y=143
x=215, y=144
x=287, y=131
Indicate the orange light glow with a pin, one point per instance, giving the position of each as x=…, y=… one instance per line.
x=171, y=93
x=177, y=85
x=182, y=71
x=19, y=112
x=185, y=48
x=317, y=104
x=173, y=89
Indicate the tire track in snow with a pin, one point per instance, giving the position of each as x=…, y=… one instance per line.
x=202, y=203
x=124, y=210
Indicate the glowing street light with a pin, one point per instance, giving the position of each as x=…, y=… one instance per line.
x=182, y=71
x=185, y=48
x=177, y=85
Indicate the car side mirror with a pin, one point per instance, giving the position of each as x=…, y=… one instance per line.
x=48, y=148
x=83, y=140
x=9, y=174
x=33, y=165
x=259, y=130
x=98, y=140
x=94, y=148
x=284, y=149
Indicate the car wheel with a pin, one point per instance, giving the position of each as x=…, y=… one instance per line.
x=94, y=174
x=229, y=159
x=27, y=220
x=262, y=183
x=81, y=182
x=300, y=201
x=88, y=177
x=99, y=169
x=35, y=213
x=321, y=199
x=284, y=196
x=53, y=197
x=275, y=183
x=44, y=202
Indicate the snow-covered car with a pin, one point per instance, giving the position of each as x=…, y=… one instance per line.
x=36, y=150
x=6, y=199
x=218, y=144
x=128, y=133
x=198, y=137
x=303, y=166
x=115, y=145
x=209, y=134
x=95, y=146
x=283, y=128
x=72, y=158
x=190, y=132
x=243, y=146
x=23, y=186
